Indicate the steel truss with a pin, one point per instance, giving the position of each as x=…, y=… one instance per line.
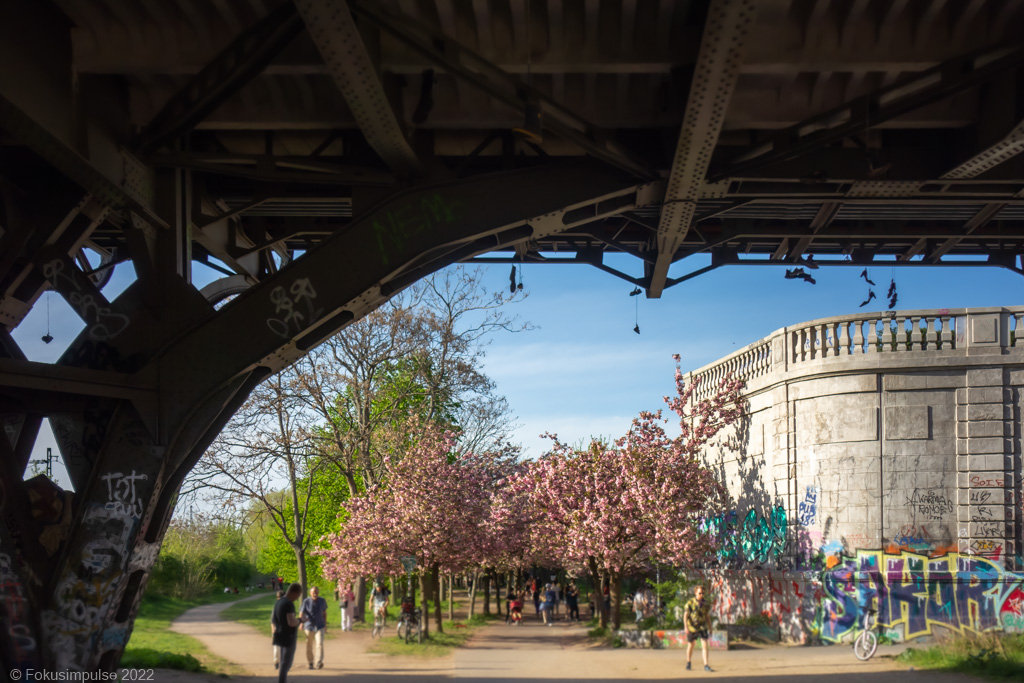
x=325, y=156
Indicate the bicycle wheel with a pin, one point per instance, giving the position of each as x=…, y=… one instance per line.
x=865, y=645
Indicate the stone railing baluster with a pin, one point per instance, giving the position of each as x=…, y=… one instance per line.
x=858, y=337
x=840, y=336
x=874, y=346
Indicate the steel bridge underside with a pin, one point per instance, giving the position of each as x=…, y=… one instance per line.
x=322, y=155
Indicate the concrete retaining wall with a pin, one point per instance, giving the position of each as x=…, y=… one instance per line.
x=881, y=452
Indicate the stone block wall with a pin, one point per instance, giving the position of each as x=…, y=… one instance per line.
x=884, y=453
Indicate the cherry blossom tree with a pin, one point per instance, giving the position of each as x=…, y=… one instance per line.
x=429, y=505
x=616, y=507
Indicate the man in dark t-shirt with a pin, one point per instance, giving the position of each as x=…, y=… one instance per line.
x=286, y=629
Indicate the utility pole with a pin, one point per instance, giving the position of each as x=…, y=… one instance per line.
x=48, y=461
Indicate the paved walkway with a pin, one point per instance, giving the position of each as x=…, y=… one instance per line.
x=532, y=652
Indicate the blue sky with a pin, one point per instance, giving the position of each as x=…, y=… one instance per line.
x=582, y=371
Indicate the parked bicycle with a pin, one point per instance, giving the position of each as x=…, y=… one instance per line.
x=409, y=622
x=867, y=642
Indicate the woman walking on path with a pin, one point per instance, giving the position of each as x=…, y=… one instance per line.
x=347, y=599
x=548, y=608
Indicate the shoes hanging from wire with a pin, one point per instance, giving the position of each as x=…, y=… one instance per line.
x=47, y=338
x=800, y=274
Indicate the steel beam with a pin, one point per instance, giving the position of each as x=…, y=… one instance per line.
x=714, y=79
x=990, y=157
x=337, y=38
x=502, y=86
x=226, y=73
x=941, y=82
x=26, y=374
x=826, y=214
x=978, y=221
x=342, y=279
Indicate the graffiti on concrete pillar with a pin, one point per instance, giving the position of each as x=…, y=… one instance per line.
x=121, y=495
x=917, y=595
x=808, y=509
x=77, y=629
x=14, y=610
x=933, y=505
x=756, y=539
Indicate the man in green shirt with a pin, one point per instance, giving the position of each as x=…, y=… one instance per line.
x=697, y=616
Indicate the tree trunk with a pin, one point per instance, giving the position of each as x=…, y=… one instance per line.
x=616, y=595
x=486, y=578
x=300, y=562
x=451, y=597
x=472, y=594
x=598, y=594
x=497, y=592
x=424, y=606
x=435, y=577
x=360, y=606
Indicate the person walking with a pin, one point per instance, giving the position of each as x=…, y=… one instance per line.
x=273, y=629
x=285, y=626
x=548, y=608
x=572, y=600
x=314, y=614
x=697, y=618
x=639, y=600
x=347, y=599
x=535, y=589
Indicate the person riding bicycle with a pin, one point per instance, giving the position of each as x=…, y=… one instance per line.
x=380, y=598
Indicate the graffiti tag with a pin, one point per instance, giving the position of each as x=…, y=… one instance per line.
x=932, y=504
x=809, y=507
x=103, y=323
x=396, y=226
x=121, y=496
x=294, y=308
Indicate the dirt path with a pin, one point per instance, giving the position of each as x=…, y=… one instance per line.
x=533, y=652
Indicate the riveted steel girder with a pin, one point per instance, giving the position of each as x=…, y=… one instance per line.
x=355, y=270
x=337, y=38
x=714, y=79
x=244, y=58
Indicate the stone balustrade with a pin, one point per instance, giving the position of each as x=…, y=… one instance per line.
x=867, y=334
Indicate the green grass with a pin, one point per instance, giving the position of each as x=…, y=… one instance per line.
x=437, y=644
x=996, y=657
x=255, y=613
x=153, y=645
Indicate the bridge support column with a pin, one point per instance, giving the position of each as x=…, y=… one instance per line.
x=986, y=458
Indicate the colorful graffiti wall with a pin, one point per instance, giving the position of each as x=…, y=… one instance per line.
x=757, y=539
x=915, y=595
